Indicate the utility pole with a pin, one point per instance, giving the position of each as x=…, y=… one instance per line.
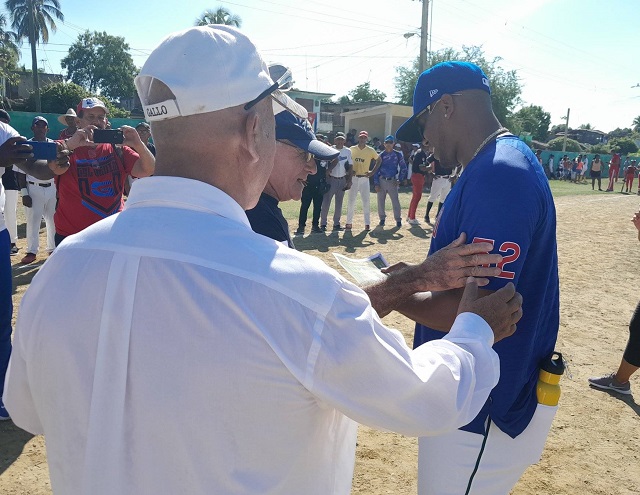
x=424, y=35
x=566, y=130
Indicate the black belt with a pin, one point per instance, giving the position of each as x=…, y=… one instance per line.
x=442, y=176
x=44, y=184
x=337, y=177
x=388, y=178
x=360, y=175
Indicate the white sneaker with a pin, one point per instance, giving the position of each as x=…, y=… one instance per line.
x=413, y=221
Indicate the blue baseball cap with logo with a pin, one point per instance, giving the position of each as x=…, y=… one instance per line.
x=441, y=79
x=298, y=132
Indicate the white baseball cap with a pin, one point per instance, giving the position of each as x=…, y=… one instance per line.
x=209, y=68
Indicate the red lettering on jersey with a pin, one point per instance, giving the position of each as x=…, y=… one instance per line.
x=512, y=248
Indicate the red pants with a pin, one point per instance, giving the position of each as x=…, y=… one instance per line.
x=417, y=180
x=628, y=182
x=613, y=176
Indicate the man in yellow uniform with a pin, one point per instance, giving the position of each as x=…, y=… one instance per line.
x=362, y=156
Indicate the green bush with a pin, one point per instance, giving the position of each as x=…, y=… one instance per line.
x=572, y=145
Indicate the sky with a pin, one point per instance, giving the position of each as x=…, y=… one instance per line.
x=577, y=54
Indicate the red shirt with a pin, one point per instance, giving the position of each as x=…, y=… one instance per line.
x=92, y=187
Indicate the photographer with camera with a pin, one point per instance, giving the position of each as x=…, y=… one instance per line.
x=92, y=187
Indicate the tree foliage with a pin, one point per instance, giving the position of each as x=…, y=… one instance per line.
x=505, y=87
x=572, y=145
x=101, y=63
x=9, y=52
x=623, y=145
x=618, y=133
x=636, y=124
x=363, y=92
x=58, y=97
x=218, y=16
x=32, y=20
x=532, y=119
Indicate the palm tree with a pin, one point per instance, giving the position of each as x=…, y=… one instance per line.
x=218, y=16
x=636, y=124
x=32, y=19
x=8, y=46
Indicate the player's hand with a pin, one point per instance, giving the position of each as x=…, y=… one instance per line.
x=14, y=151
x=377, y=188
x=61, y=164
x=501, y=309
x=27, y=201
x=449, y=268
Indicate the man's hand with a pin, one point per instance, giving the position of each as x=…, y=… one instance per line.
x=449, y=268
x=15, y=151
x=501, y=309
x=377, y=188
x=82, y=137
x=61, y=164
x=27, y=201
x=131, y=137
x=347, y=186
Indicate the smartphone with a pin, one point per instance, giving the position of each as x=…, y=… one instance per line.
x=113, y=136
x=43, y=150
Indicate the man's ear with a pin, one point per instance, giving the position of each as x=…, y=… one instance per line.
x=251, y=137
x=448, y=105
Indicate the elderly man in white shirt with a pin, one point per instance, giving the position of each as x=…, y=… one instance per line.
x=226, y=362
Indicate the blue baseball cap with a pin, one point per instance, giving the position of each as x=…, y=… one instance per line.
x=39, y=118
x=298, y=132
x=443, y=78
x=389, y=138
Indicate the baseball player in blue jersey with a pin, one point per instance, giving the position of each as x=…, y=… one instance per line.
x=502, y=197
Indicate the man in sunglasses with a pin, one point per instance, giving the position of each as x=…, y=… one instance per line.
x=502, y=197
x=296, y=150
x=192, y=355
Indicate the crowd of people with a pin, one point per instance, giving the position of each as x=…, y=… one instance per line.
x=579, y=168
x=204, y=354
x=371, y=167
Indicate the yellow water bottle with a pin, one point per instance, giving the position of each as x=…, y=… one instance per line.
x=548, y=388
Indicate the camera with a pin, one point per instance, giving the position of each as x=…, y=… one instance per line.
x=113, y=136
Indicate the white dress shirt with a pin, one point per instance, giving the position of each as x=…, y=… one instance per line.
x=6, y=132
x=169, y=349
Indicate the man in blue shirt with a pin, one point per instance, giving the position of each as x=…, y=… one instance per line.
x=391, y=170
x=502, y=197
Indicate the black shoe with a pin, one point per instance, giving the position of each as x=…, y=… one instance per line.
x=14, y=250
x=398, y=223
x=323, y=228
x=337, y=227
x=316, y=230
x=381, y=223
x=300, y=231
x=428, y=220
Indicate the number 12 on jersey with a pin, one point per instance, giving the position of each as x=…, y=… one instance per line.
x=510, y=252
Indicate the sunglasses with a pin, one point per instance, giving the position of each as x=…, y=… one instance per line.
x=284, y=82
x=429, y=110
x=306, y=156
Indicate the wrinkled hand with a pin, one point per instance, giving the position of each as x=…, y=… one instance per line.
x=377, y=188
x=347, y=186
x=14, y=151
x=501, y=309
x=27, y=201
x=449, y=268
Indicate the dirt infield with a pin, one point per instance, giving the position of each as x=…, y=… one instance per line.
x=594, y=444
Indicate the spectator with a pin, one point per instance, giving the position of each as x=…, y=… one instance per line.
x=614, y=171
x=70, y=120
x=92, y=187
x=629, y=174
x=596, y=172
x=10, y=184
x=418, y=162
x=144, y=131
x=619, y=381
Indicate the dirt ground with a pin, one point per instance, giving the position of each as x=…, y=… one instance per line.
x=593, y=445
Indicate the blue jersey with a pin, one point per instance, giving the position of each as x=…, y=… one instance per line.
x=503, y=197
x=392, y=165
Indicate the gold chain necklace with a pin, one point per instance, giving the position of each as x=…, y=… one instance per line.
x=489, y=138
